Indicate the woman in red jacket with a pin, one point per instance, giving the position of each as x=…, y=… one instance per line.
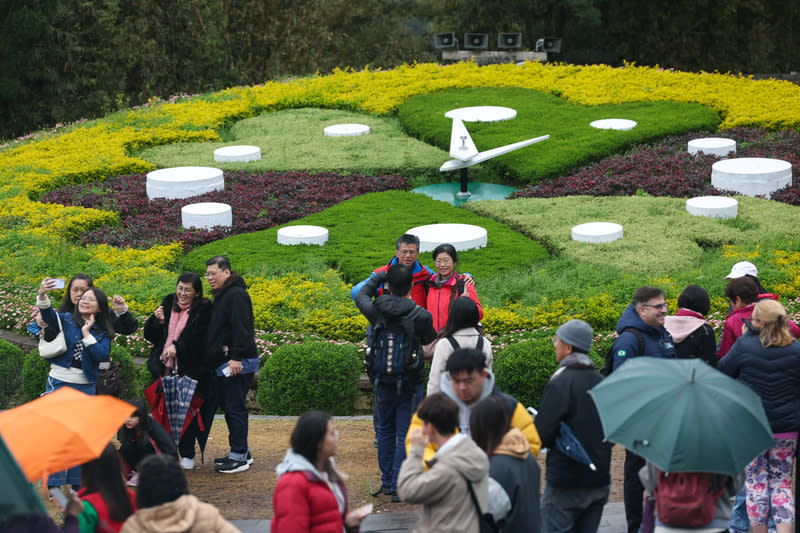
x=446, y=285
x=310, y=496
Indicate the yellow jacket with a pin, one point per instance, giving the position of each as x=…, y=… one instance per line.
x=520, y=417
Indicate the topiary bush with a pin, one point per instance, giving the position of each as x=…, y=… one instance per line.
x=523, y=369
x=34, y=376
x=11, y=362
x=312, y=375
x=128, y=371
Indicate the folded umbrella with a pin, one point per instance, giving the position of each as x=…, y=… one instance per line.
x=60, y=430
x=178, y=394
x=568, y=443
x=682, y=415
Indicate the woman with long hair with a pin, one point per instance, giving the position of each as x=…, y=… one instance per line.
x=459, y=332
x=511, y=465
x=447, y=285
x=310, y=495
x=141, y=436
x=767, y=359
x=107, y=503
x=88, y=334
x=177, y=329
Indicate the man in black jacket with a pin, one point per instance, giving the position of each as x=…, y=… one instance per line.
x=574, y=495
x=231, y=352
x=396, y=398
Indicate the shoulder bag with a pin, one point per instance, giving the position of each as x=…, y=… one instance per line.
x=53, y=348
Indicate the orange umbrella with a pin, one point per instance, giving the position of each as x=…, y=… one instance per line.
x=63, y=429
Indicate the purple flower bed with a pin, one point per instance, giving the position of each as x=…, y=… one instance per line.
x=258, y=201
x=665, y=168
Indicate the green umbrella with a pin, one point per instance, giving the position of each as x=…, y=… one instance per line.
x=18, y=496
x=682, y=415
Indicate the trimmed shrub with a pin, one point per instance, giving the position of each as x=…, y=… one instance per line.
x=312, y=375
x=127, y=370
x=523, y=369
x=34, y=376
x=11, y=363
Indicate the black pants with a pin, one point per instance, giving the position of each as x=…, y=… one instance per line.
x=633, y=491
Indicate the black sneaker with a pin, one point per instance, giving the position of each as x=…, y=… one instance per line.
x=385, y=490
x=232, y=466
x=396, y=498
x=220, y=460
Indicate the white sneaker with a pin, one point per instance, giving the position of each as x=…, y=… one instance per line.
x=187, y=464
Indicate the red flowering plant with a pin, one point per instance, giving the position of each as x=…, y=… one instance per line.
x=666, y=168
x=258, y=201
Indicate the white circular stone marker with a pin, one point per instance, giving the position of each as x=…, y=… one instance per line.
x=346, y=130
x=231, y=154
x=713, y=206
x=597, y=232
x=461, y=236
x=712, y=146
x=293, y=235
x=206, y=215
x=751, y=176
x=482, y=113
x=183, y=182
x=613, y=124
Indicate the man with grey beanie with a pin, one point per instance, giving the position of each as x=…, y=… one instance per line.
x=574, y=495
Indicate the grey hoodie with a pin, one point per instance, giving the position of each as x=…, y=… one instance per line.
x=294, y=462
x=465, y=410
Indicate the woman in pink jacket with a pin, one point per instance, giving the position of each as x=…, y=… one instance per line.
x=447, y=285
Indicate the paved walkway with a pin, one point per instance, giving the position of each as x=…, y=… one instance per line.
x=613, y=521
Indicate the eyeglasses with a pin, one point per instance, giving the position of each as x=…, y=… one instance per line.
x=663, y=306
x=445, y=261
x=408, y=252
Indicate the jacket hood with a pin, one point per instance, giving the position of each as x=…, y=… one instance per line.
x=465, y=410
x=294, y=462
x=631, y=319
x=463, y=455
x=234, y=280
x=681, y=327
x=514, y=444
x=175, y=516
x=394, y=306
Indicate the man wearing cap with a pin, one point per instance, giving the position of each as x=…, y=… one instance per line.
x=574, y=495
x=641, y=333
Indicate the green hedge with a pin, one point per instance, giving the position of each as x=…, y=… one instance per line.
x=312, y=375
x=34, y=376
x=572, y=141
x=363, y=232
x=11, y=363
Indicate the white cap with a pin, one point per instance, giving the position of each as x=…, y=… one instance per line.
x=744, y=268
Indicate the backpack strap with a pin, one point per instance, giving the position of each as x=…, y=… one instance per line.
x=479, y=345
x=639, y=337
x=485, y=521
x=453, y=342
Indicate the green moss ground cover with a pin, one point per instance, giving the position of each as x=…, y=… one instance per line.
x=573, y=142
x=293, y=139
x=363, y=232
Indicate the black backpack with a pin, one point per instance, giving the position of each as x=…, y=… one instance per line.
x=394, y=356
x=456, y=346
x=608, y=367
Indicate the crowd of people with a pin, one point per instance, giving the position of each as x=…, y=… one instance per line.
x=460, y=447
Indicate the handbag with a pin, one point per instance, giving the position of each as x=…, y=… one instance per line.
x=55, y=347
x=485, y=521
x=109, y=379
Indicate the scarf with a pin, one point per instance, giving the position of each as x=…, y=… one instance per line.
x=177, y=321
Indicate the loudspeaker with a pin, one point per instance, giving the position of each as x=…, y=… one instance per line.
x=445, y=40
x=509, y=40
x=552, y=44
x=476, y=41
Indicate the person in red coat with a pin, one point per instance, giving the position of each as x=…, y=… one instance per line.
x=447, y=285
x=107, y=503
x=310, y=496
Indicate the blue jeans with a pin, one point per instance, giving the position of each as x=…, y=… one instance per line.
x=567, y=510
x=739, y=520
x=73, y=475
x=232, y=397
x=394, y=416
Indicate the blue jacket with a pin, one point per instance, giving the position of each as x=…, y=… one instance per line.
x=92, y=354
x=657, y=341
x=418, y=292
x=773, y=373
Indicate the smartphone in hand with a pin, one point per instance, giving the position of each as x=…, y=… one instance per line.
x=59, y=283
x=58, y=496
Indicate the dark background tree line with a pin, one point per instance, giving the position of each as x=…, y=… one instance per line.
x=61, y=60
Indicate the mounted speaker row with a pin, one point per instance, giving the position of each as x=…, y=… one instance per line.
x=477, y=41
